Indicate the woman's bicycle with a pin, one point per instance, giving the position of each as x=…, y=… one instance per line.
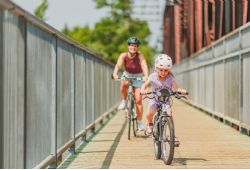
x=130, y=107
x=163, y=125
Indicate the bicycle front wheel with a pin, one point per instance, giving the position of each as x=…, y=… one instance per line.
x=129, y=126
x=134, y=119
x=135, y=127
x=168, y=141
x=129, y=116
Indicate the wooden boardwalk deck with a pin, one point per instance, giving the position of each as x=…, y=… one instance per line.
x=205, y=143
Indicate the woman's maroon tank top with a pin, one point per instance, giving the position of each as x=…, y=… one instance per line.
x=133, y=65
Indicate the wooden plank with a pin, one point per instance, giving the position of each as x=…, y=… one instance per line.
x=205, y=143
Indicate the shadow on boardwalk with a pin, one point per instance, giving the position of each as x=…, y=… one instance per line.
x=205, y=143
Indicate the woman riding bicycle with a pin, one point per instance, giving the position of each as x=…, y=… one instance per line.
x=162, y=77
x=135, y=66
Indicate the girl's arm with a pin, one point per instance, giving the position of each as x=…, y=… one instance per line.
x=177, y=88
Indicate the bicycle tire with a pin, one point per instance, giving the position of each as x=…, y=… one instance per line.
x=129, y=116
x=157, y=142
x=134, y=119
x=135, y=126
x=167, y=143
x=129, y=127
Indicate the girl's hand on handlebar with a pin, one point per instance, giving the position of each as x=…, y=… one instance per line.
x=182, y=91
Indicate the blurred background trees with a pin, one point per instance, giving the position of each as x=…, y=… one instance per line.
x=108, y=38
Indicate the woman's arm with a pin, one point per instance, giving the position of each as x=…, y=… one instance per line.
x=144, y=66
x=144, y=86
x=118, y=65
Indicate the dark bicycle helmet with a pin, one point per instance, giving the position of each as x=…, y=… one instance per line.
x=133, y=40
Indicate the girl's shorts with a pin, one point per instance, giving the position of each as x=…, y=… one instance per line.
x=153, y=105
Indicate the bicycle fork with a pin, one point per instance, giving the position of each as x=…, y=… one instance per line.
x=158, y=134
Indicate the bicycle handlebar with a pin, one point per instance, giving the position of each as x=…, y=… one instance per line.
x=130, y=78
x=177, y=94
x=173, y=93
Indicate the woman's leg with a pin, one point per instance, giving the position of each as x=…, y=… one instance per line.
x=138, y=103
x=124, y=89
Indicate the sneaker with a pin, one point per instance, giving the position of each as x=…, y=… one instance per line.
x=122, y=105
x=176, y=142
x=140, y=125
x=149, y=130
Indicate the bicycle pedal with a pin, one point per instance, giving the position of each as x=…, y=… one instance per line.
x=148, y=135
x=177, y=144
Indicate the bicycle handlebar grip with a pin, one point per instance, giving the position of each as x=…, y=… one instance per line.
x=146, y=93
x=183, y=93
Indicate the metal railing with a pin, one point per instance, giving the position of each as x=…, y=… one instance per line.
x=218, y=78
x=52, y=91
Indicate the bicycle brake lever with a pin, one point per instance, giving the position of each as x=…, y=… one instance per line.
x=177, y=96
x=184, y=97
x=146, y=97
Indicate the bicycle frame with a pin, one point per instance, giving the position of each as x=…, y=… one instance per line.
x=163, y=123
x=160, y=117
x=131, y=115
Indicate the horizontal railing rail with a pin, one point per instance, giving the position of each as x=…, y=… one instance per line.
x=218, y=78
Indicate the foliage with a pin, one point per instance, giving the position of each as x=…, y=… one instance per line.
x=108, y=37
x=41, y=9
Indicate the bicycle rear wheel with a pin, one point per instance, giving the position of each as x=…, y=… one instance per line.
x=157, y=149
x=168, y=141
x=157, y=142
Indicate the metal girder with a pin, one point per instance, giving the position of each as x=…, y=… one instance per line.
x=177, y=28
x=198, y=24
x=219, y=6
x=190, y=31
x=244, y=8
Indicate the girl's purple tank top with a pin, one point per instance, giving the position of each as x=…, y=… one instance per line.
x=158, y=84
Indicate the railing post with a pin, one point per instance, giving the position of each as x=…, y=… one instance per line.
x=1, y=88
x=53, y=165
x=84, y=138
x=72, y=149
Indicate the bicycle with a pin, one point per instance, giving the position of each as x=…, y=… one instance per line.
x=130, y=107
x=163, y=125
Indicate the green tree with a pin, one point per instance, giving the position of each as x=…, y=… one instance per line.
x=41, y=9
x=108, y=37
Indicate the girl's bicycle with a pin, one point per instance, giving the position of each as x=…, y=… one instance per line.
x=163, y=125
x=130, y=107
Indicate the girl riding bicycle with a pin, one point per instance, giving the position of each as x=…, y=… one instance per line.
x=162, y=77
